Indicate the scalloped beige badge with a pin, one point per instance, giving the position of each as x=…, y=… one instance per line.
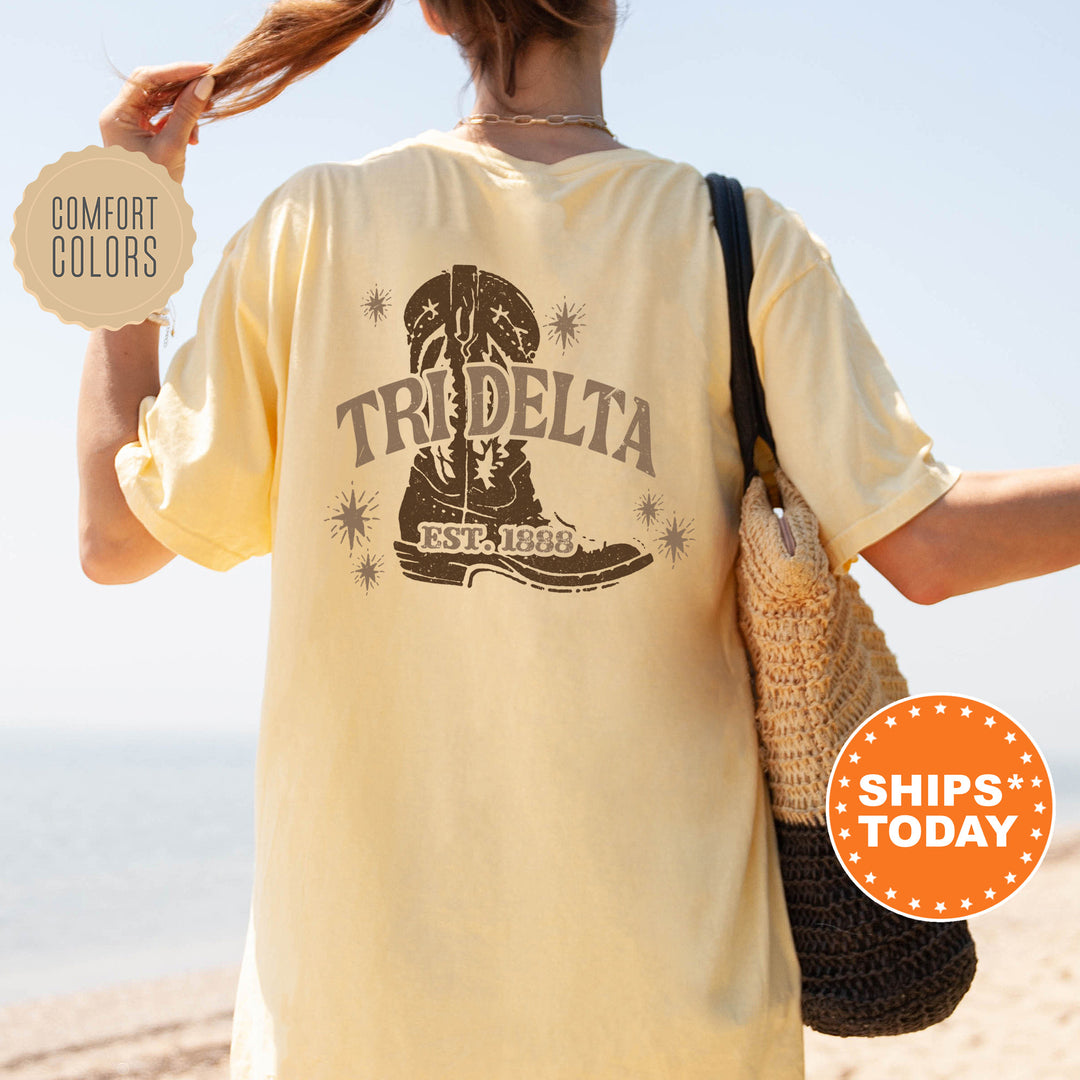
x=103, y=237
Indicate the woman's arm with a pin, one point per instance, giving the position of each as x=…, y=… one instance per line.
x=121, y=366
x=989, y=528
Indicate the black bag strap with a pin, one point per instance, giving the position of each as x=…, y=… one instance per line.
x=747, y=393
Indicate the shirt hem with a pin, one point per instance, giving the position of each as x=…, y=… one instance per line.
x=932, y=484
x=175, y=537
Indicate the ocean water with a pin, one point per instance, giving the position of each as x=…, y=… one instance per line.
x=122, y=856
x=129, y=856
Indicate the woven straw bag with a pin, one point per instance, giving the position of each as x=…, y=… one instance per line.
x=820, y=667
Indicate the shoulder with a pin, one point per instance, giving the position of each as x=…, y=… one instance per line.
x=302, y=207
x=783, y=246
x=399, y=157
x=328, y=186
x=298, y=197
x=788, y=259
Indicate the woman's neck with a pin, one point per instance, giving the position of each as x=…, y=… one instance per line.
x=550, y=81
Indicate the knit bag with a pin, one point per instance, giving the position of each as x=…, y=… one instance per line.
x=820, y=667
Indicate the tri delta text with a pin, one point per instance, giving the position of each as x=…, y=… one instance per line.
x=518, y=401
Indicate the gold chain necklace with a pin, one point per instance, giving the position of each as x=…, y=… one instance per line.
x=555, y=120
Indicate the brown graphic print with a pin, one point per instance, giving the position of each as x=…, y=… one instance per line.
x=470, y=504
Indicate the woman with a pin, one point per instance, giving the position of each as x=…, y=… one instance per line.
x=472, y=393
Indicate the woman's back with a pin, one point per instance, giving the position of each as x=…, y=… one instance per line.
x=510, y=819
x=507, y=794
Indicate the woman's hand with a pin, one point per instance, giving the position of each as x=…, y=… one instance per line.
x=129, y=120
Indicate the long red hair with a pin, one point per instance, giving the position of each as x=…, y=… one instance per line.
x=296, y=37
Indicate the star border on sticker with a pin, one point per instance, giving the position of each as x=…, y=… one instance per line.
x=1015, y=786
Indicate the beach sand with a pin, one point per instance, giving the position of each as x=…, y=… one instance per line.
x=1021, y=1018
x=177, y=1027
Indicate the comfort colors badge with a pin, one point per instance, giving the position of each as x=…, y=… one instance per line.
x=103, y=237
x=940, y=807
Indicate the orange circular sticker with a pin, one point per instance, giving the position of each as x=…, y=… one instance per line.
x=940, y=807
x=103, y=237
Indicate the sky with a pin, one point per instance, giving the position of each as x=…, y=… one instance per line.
x=931, y=145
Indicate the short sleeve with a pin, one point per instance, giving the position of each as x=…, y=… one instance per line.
x=202, y=475
x=844, y=434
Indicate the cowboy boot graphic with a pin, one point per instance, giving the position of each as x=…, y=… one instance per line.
x=470, y=504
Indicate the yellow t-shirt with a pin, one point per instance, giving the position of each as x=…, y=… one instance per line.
x=510, y=823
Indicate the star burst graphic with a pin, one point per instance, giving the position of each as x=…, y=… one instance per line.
x=353, y=517
x=375, y=303
x=648, y=509
x=368, y=571
x=676, y=538
x=565, y=323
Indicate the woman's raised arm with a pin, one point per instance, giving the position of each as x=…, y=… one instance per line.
x=121, y=366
